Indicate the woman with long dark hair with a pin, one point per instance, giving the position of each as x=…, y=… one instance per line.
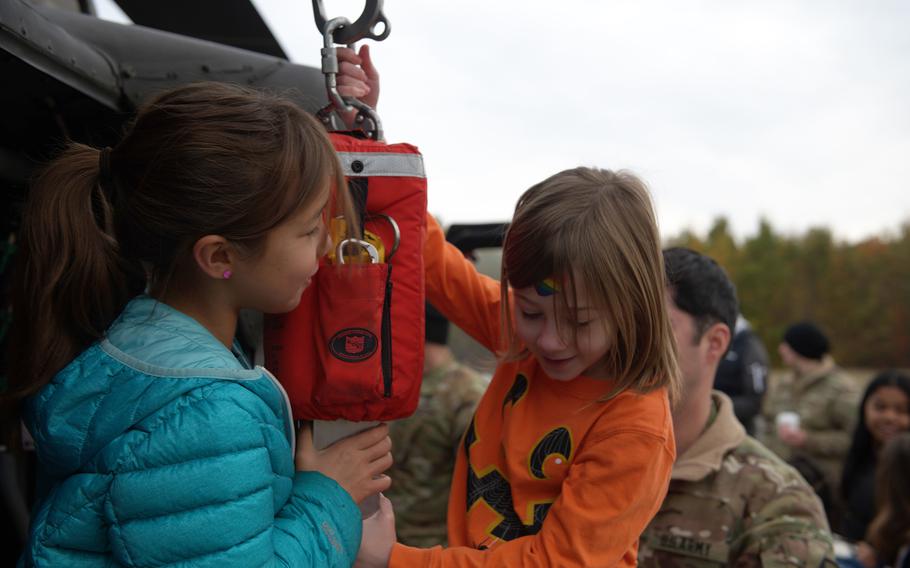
x=883, y=414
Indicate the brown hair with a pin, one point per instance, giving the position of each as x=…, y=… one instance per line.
x=597, y=226
x=206, y=158
x=890, y=529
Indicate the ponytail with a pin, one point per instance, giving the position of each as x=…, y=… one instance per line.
x=201, y=159
x=70, y=281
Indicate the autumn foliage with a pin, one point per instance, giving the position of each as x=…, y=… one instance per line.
x=858, y=292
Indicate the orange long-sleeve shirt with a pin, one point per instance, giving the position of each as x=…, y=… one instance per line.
x=546, y=475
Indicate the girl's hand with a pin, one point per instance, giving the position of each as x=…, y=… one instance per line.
x=794, y=437
x=378, y=537
x=356, y=462
x=358, y=78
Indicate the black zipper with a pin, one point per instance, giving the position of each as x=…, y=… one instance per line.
x=387, y=337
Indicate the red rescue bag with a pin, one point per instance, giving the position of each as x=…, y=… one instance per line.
x=353, y=348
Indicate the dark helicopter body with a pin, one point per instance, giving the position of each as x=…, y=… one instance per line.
x=73, y=76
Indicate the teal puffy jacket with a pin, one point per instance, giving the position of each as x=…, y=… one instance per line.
x=157, y=447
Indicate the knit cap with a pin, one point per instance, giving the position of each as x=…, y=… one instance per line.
x=807, y=339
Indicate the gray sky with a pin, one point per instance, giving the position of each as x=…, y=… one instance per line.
x=795, y=111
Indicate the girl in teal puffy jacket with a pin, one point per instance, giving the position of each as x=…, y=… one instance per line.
x=157, y=443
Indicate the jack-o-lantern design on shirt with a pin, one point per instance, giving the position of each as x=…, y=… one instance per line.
x=489, y=488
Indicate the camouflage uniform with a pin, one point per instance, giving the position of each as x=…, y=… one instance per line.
x=424, y=448
x=828, y=404
x=732, y=502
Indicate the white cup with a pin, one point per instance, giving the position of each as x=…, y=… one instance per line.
x=787, y=421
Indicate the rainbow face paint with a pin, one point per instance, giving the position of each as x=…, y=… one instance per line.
x=546, y=287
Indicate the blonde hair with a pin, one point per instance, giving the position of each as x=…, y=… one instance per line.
x=597, y=226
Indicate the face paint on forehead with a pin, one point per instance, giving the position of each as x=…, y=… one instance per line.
x=546, y=287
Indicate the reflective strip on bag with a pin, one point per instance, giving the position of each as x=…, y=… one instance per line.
x=381, y=164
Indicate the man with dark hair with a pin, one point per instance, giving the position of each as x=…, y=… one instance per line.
x=424, y=445
x=811, y=413
x=731, y=501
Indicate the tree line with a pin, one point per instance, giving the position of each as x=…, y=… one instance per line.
x=859, y=293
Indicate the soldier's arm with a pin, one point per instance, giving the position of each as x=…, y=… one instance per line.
x=470, y=391
x=833, y=443
x=843, y=410
x=777, y=397
x=785, y=524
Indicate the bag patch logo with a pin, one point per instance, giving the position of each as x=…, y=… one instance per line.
x=353, y=344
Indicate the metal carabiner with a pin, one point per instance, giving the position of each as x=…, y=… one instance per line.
x=371, y=250
x=330, y=64
x=363, y=28
x=396, y=233
x=367, y=118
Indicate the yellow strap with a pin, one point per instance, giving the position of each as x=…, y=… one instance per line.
x=339, y=233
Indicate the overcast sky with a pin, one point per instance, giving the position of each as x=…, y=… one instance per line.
x=795, y=111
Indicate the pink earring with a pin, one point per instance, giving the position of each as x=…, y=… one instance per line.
x=227, y=274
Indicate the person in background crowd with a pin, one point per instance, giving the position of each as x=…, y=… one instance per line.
x=731, y=501
x=812, y=412
x=424, y=445
x=743, y=374
x=889, y=532
x=883, y=415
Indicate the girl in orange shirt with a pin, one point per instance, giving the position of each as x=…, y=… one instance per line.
x=569, y=453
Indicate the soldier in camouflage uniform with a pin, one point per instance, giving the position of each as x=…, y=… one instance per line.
x=823, y=396
x=731, y=501
x=424, y=445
